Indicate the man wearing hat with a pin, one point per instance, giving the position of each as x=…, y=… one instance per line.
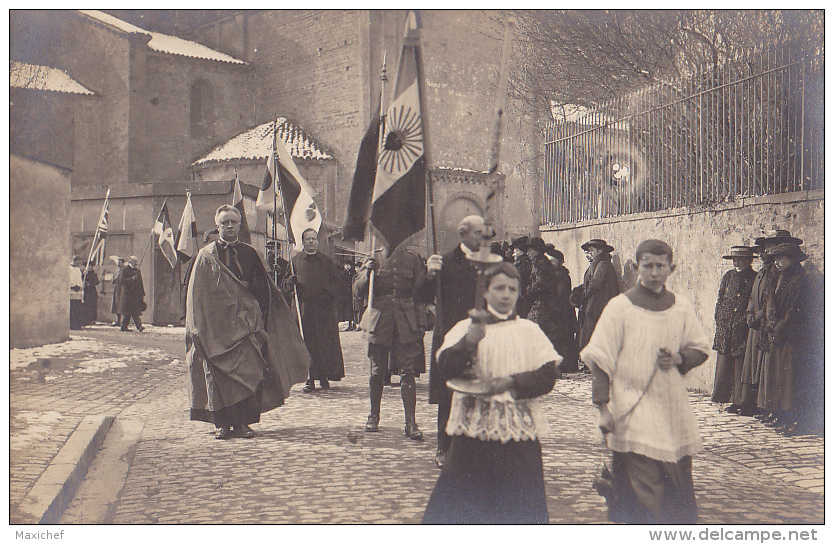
x=789, y=382
x=117, y=292
x=731, y=330
x=755, y=354
x=599, y=286
x=524, y=266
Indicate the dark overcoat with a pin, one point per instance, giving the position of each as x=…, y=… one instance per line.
x=318, y=285
x=753, y=355
x=730, y=312
x=524, y=265
x=786, y=381
x=565, y=341
x=456, y=296
x=90, y=296
x=541, y=296
x=599, y=286
x=133, y=291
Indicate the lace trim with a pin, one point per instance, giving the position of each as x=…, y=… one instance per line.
x=496, y=419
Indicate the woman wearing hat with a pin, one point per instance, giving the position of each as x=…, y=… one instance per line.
x=565, y=340
x=787, y=386
x=539, y=291
x=525, y=267
x=731, y=330
x=599, y=286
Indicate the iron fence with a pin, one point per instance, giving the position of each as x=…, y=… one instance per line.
x=749, y=128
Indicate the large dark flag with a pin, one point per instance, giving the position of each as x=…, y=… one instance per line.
x=398, y=208
x=237, y=201
x=362, y=189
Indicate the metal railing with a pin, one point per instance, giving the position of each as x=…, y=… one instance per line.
x=745, y=129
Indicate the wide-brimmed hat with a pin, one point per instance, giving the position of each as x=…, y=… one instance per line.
x=519, y=243
x=778, y=236
x=789, y=250
x=550, y=249
x=536, y=243
x=740, y=252
x=598, y=243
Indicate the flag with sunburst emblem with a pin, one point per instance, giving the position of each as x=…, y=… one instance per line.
x=398, y=207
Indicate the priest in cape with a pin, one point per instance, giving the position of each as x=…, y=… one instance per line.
x=244, y=349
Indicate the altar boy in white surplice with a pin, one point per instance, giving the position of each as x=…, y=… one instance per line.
x=646, y=340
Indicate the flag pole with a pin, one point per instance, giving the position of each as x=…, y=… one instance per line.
x=95, y=235
x=383, y=77
x=151, y=237
x=277, y=181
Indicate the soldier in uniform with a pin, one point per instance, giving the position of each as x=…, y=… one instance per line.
x=392, y=327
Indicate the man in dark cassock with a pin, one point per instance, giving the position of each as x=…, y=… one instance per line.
x=564, y=341
x=599, y=286
x=458, y=279
x=731, y=331
x=524, y=266
x=117, y=293
x=317, y=280
x=132, y=299
x=90, y=294
x=244, y=350
x=393, y=328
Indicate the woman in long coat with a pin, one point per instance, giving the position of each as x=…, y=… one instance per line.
x=132, y=300
x=565, y=341
x=599, y=286
x=90, y=295
x=539, y=291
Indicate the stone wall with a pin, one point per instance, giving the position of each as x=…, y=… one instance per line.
x=699, y=239
x=39, y=254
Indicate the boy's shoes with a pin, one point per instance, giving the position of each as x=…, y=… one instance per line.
x=223, y=433
x=747, y=411
x=732, y=409
x=372, y=426
x=244, y=431
x=309, y=387
x=413, y=431
x=325, y=384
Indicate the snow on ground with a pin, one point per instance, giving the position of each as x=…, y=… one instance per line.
x=34, y=427
x=88, y=355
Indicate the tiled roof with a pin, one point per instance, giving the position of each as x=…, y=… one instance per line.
x=43, y=78
x=163, y=42
x=256, y=142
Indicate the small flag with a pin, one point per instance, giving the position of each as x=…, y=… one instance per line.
x=362, y=189
x=187, y=231
x=237, y=201
x=162, y=228
x=398, y=207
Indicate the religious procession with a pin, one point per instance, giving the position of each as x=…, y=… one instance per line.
x=594, y=317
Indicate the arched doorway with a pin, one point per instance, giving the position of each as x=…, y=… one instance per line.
x=456, y=208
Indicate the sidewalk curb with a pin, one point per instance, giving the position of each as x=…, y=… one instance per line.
x=54, y=490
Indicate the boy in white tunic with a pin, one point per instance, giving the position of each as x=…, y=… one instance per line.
x=646, y=340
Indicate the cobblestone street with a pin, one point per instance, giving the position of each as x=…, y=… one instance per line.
x=312, y=463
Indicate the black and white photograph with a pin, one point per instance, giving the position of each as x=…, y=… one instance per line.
x=319, y=268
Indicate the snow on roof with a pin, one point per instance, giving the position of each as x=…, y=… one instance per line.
x=164, y=43
x=256, y=143
x=43, y=78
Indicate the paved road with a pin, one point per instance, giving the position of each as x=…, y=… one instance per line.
x=311, y=462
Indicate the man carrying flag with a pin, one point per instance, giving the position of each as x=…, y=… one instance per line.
x=162, y=228
x=285, y=186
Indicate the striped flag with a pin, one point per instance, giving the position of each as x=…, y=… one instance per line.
x=237, y=201
x=398, y=207
x=162, y=228
x=97, y=253
x=187, y=231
